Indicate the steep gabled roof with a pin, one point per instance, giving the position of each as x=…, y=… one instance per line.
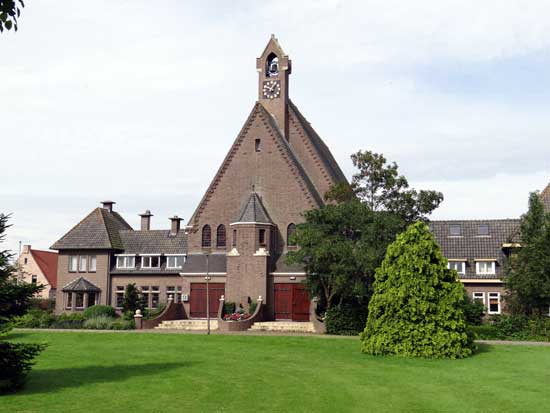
x=285, y=149
x=254, y=211
x=323, y=152
x=47, y=262
x=545, y=198
x=99, y=230
x=81, y=285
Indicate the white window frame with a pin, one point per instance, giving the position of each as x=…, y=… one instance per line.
x=463, y=272
x=125, y=260
x=92, y=268
x=73, y=263
x=174, y=256
x=120, y=289
x=489, y=302
x=149, y=257
x=83, y=263
x=492, y=270
x=474, y=298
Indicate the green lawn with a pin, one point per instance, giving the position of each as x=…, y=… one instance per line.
x=126, y=372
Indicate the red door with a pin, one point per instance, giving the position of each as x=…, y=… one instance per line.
x=197, y=299
x=291, y=302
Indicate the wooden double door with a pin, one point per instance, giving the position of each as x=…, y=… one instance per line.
x=291, y=302
x=197, y=299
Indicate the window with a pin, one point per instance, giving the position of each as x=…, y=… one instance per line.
x=459, y=266
x=485, y=267
x=145, y=295
x=234, y=240
x=483, y=229
x=494, y=303
x=171, y=292
x=119, y=296
x=290, y=231
x=83, y=263
x=261, y=237
x=175, y=261
x=155, y=295
x=125, y=261
x=455, y=230
x=478, y=296
x=220, y=236
x=73, y=263
x=91, y=299
x=206, y=236
x=79, y=300
x=150, y=261
x=34, y=279
x=257, y=144
x=69, y=304
x=93, y=263
x=26, y=260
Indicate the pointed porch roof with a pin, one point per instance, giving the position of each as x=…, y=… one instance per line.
x=254, y=211
x=81, y=285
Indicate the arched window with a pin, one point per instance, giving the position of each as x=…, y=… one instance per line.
x=220, y=236
x=206, y=236
x=290, y=231
x=272, y=65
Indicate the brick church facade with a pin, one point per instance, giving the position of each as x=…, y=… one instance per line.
x=277, y=168
x=239, y=235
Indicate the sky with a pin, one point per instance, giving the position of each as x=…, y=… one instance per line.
x=138, y=101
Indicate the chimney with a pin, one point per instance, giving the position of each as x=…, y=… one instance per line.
x=175, y=227
x=108, y=205
x=146, y=220
x=26, y=249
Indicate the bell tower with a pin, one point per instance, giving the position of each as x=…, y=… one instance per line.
x=273, y=67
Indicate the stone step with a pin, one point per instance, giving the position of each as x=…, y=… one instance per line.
x=188, y=325
x=283, y=326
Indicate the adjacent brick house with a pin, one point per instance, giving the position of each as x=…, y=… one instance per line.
x=39, y=267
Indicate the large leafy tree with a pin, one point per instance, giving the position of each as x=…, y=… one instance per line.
x=379, y=185
x=15, y=358
x=417, y=305
x=10, y=11
x=341, y=245
x=528, y=280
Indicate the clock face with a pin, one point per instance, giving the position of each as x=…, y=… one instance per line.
x=271, y=89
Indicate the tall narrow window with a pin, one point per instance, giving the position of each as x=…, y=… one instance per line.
x=220, y=236
x=234, y=240
x=69, y=305
x=257, y=144
x=119, y=296
x=73, y=263
x=34, y=279
x=206, y=236
x=290, y=231
x=83, y=263
x=145, y=295
x=93, y=263
x=261, y=237
x=494, y=303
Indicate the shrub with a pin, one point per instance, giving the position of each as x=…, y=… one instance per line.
x=346, y=319
x=69, y=320
x=473, y=310
x=99, y=310
x=517, y=327
x=252, y=307
x=98, y=323
x=42, y=303
x=229, y=307
x=123, y=325
x=15, y=363
x=35, y=318
x=416, y=309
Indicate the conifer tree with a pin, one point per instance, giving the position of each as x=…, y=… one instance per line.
x=416, y=309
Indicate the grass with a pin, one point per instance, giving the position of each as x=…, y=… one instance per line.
x=83, y=372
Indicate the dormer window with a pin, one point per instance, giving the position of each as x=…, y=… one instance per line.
x=150, y=261
x=175, y=261
x=455, y=230
x=483, y=230
x=458, y=266
x=485, y=267
x=126, y=261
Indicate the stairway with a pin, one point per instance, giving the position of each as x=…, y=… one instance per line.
x=187, y=325
x=283, y=327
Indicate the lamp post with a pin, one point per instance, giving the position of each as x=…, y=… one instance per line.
x=207, y=279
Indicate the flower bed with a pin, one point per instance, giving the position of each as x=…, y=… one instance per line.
x=236, y=316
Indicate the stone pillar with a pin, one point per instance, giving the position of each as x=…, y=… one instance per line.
x=138, y=318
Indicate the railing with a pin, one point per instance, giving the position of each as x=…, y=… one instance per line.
x=241, y=325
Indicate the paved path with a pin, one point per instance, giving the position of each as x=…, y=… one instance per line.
x=258, y=333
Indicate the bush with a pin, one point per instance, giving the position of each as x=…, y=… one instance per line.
x=252, y=307
x=35, y=318
x=69, y=320
x=42, y=303
x=346, y=320
x=98, y=323
x=229, y=307
x=123, y=325
x=15, y=363
x=517, y=327
x=99, y=310
x=473, y=310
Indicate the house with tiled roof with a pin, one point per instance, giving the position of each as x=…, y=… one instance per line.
x=38, y=267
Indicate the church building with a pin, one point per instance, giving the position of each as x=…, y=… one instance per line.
x=277, y=168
